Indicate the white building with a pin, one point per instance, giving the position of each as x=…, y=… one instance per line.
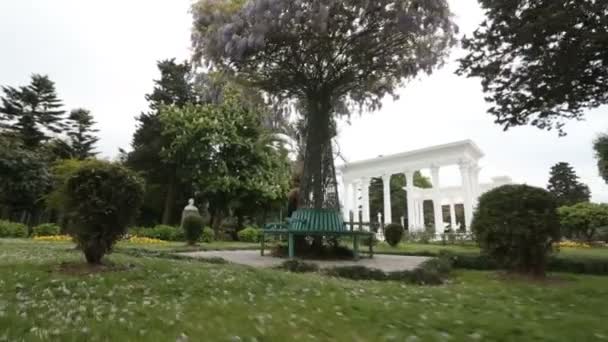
x=355, y=177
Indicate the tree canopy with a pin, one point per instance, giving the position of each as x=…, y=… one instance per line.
x=565, y=186
x=234, y=160
x=600, y=145
x=32, y=112
x=541, y=61
x=326, y=55
x=81, y=133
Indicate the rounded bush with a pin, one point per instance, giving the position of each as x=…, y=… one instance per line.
x=207, y=235
x=103, y=198
x=46, y=229
x=193, y=228
x=393, y=233
x=165, y=233
x=249, y=234
x=10, y=229
x=516, y=226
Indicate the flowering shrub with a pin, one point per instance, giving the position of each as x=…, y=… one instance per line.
x=572, y=244
x=53, y=238
x=140, y=240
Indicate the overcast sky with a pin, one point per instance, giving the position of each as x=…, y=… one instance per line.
x=102, y=56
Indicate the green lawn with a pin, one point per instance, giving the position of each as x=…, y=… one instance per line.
x=161, y=299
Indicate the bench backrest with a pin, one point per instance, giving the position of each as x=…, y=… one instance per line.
x=317, y=220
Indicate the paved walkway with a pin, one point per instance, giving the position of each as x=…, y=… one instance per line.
x=386, y=263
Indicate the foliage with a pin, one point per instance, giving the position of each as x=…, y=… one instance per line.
x=249, y=234
x=298, y=266
x=583, y=220
x=139, y=240
x=393, y=234
x=81, y=134
x=431, y=272
x=516, y=225
x=540, y=61
x=32, y=112
x=10, y=229
x=193, y=228
x=419, y=237
x=160, y=232
x=207, y=235
x=103, y=200
x=235, y=161
x=564, y=185
x=600, y=145
x=46, y=229
x=24, y=174
x=327, y=56
x=61, y=171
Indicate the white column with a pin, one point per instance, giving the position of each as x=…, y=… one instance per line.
x=453, y=216
x=475, y=184
x=388, y=215
x=422, y=224
x=365, y=198
x=466, y=188
x=409, y=179
x=348, y=200
x=437, y=210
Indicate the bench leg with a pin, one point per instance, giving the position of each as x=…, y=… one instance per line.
x=263, y=243
x=290, y=246
x=356, y=247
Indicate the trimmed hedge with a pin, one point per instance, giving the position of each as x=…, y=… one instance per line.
x=10, y=229
x=393, y=234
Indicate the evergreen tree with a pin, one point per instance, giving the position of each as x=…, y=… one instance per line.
x=566, y=188
x=81, y=133
x=174, y=88
x=32, y=112
x=600, y=145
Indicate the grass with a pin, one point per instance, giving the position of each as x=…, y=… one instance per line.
x=165, y=300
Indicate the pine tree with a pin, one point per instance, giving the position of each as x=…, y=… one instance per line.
x=81, y=133
x=32, y=112
x=564, y=185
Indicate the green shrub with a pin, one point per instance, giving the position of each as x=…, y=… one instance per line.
x=249, y=234
x=297, y=266
x=46, y=229
x=193, y=228
x=207, y=235
x=372, y=239
x=102, y=199
x=393, y=234
x=10, y=229
x=516, y=226
x=165, y=233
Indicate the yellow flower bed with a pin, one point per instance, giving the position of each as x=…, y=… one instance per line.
x=53, y=238
x=572, y=244
x=145, y=240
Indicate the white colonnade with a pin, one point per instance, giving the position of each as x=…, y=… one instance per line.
x=356, y=178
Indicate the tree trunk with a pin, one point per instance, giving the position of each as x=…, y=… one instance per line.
x=317, y=140
x=169, y=201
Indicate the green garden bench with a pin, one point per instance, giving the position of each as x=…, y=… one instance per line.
x=310, y=222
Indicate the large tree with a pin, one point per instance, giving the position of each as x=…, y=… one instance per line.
x=234, y=160
x=32, y=112
x=540, y=61
x=82, y=134
x=600, y=145
x=175, y=87
x=565, y=186
x=327, y=55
